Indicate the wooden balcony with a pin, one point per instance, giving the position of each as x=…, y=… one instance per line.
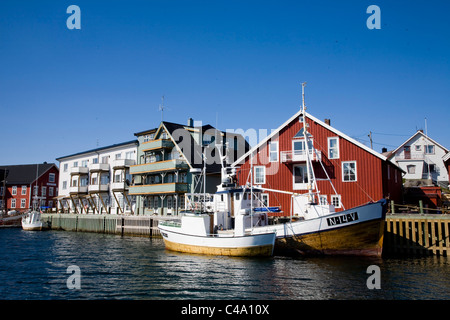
x=158, y=166
x=158, y=188
x=157, y=144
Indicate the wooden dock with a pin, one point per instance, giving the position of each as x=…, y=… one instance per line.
x=144, y=226
x=417, y=234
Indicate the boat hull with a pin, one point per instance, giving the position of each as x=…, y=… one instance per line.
x=357, y=231
x=248, y=245
x=32, y=226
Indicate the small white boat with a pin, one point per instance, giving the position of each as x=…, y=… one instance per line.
x=32, y=221
x=195, y=234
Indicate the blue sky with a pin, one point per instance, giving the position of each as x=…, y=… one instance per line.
x=235, y=63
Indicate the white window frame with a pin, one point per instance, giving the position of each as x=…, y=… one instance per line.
x=43, y=191
x=323, y=199
x=257, y=179
x=24, y=190
x=428, y=148
x=13, y=203
x=14, y=190
x=333, y=197
x=23, y=203
x=343, y=171
x=273, y=152
x=299, y=185
x=335, y=148
x=51, y=177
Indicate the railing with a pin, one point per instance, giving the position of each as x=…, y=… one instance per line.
x=299, y=156
x=165, y=165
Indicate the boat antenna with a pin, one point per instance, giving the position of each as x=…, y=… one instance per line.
x=303, y=96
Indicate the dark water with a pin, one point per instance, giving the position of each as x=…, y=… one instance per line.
x=33, y=265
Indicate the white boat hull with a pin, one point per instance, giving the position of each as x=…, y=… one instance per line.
x=32, y=221
x=218, y=244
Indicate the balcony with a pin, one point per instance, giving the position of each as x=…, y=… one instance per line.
x=78, y=189
x=157, y=144
x=95, y=167
x=79, y=170
x=95, y=188
x=158, y=188
x=300, y=156
x=123, y=163
x=158, y=166
x=119, y=186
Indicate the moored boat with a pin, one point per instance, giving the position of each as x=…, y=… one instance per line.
x=32, y=221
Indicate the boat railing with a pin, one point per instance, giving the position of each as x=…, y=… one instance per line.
x=200, y=202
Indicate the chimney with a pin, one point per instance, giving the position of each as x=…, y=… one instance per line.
x=328, y=122
x=384, y=149
x=190, y=122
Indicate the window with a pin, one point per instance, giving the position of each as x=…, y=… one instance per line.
x=35, y=190
x=349, y=171
x=333, y=148
x=129, y=155
x=265, y=199
x=94, y=160
x=411, y=169
x=64, y=185
x=273, y=151
x=23, y=203
x=336, y=200
x=105, y=159
x=169, y=202
x=118, y=156
x=13, y=203
x=50, y=191
x=66, y=165
x=260, y=175
x=84, y=163
x=418, y=147
x=51, y=177
x=14, y=190
x=146, y=138
x=24, y=190
x=75, y=164
x=429, y=149
x=43, y=191
x=323, y=200
x=300, y=177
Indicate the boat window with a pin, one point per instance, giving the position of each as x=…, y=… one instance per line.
x=245, y=196
x=236, y=196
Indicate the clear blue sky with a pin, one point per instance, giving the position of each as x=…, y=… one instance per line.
x=65, y=91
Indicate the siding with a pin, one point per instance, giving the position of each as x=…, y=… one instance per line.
x=371, y=185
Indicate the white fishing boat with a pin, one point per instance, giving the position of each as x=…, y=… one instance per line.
x=213, y=227
x=32, y=221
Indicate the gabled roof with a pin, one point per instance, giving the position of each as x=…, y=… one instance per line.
x=419, y=132
x=446, y=157
x=323, y=124
x=25, y=173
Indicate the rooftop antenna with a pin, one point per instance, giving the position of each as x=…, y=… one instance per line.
x=303, y=96
x=161, y=108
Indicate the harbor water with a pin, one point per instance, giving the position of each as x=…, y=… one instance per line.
x=39, y=265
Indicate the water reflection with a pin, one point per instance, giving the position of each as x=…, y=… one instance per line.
x=35, y=263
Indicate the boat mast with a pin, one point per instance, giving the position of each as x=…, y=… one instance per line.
x=309, y=171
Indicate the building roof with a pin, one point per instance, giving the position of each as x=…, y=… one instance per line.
x=25, y=173
x=419, y=132
x=99, y=149
x=323, y=124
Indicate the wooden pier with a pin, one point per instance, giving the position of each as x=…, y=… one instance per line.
x=145, y=226
x=417, y=234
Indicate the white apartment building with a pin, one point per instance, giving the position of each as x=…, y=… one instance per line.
x=97, y=181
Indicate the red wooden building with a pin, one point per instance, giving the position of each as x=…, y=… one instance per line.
x=358, y=173
x=20, y=185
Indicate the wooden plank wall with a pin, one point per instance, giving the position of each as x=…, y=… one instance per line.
x=417, y=234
